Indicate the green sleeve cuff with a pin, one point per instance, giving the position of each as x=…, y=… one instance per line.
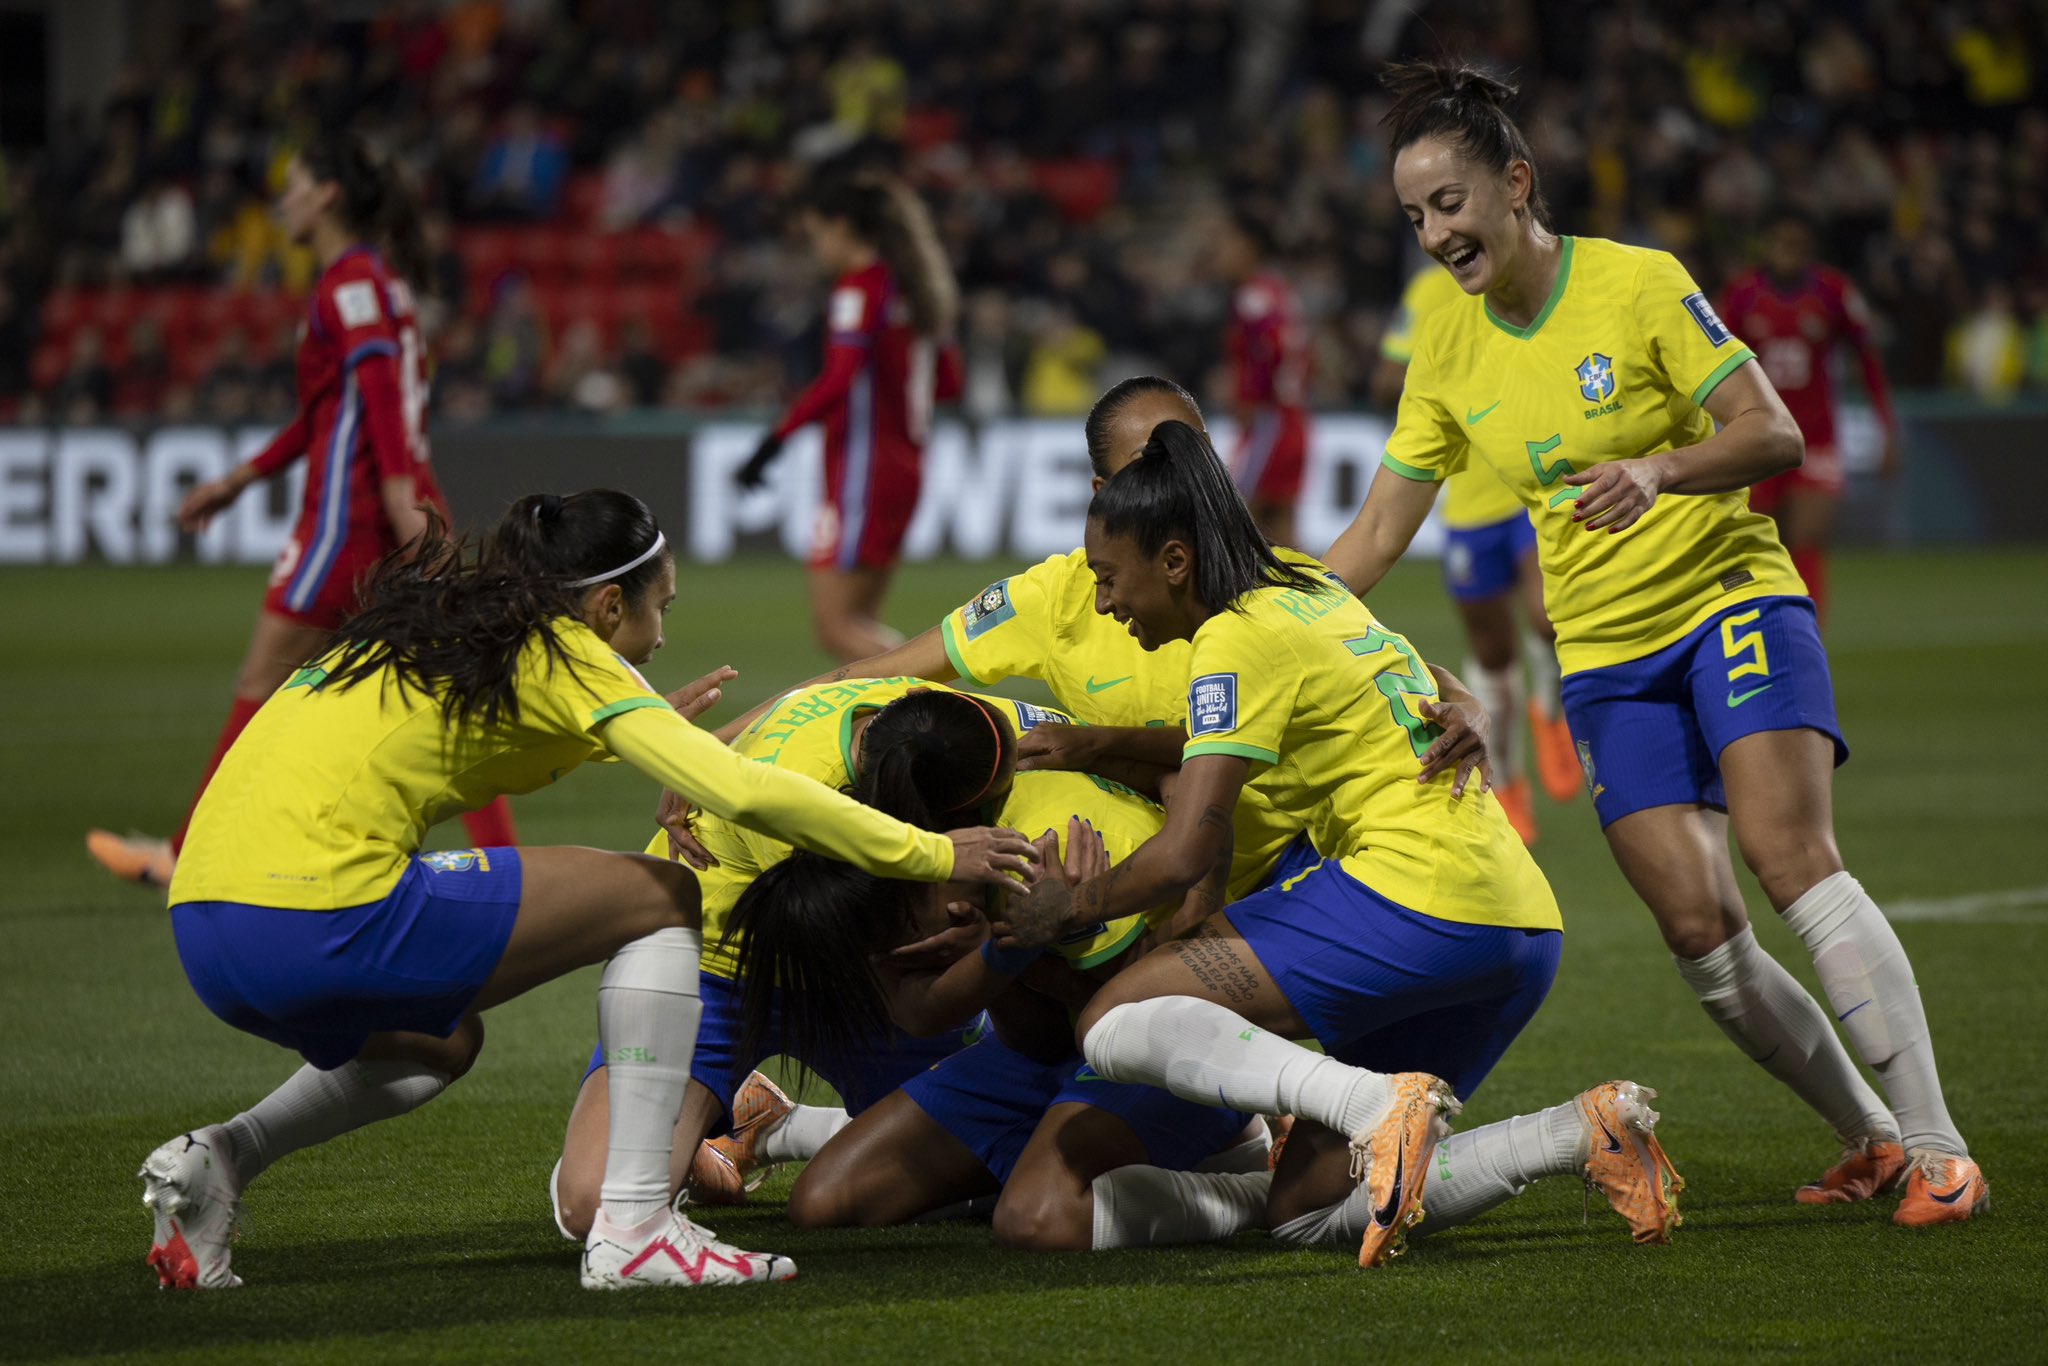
x=606, y=713
x=1197, y=748
x=1407, y=471
x=1721, y=372
x=953, y=654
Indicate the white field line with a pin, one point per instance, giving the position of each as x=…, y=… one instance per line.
x=2016, y=906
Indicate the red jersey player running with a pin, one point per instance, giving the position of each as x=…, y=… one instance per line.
x=888, y=357
x=1269, y=356
x=1794, y=312
x=362, y=407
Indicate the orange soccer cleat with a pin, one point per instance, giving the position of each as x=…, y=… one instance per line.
x=1866, y=1169
x=1557, y=760
x=1392, y=1158
x=1519, y=806
x=726, y=1168
x=132, y=858
x=1941, y=1188
x=1627, y=1164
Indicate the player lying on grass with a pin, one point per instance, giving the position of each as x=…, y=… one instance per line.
x=1630, y=422
x=1074, y=1160
x=305, y=914
x=913, y=748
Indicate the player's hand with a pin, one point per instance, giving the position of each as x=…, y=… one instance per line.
x=1462, y=746
x=986, y=854
x=754, y=473
x=1037, y=919
x=966, y=929
x=695, y=698
x=208, y=501
x=1051, y=745
x=673, y=814
x=1087, y=857
x=1616, y=495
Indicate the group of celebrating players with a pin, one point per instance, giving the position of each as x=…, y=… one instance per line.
x=1266, y=820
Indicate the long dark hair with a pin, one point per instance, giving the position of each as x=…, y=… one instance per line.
x=1111, y=405
x=806, y=928
x=1467, y=108
x=938, y=760
x=887, y=214
x=456, y=614
x=1179, y=492
x=377, y=201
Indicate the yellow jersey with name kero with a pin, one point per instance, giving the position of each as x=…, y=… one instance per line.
x=1617, y=364
x=1473, y=497
x=1324, y=704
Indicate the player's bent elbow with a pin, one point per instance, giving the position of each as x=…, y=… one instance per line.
x=1788, y=443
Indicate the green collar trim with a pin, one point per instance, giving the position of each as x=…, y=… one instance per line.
x=1564, y=274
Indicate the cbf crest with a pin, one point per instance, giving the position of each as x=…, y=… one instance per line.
x=1596, y=378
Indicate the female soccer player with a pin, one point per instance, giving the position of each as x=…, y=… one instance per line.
x=1630, y=420
x=1270, y=355
x=888, y=357
x=909, y=749
x=360, y=424
x=1424, y=940
x=1489, y=562
x=304, y=913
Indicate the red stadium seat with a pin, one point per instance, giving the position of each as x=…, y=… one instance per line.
x=924, y=129
x=65, y=309
x=490, y=254
x=582, y=199
x=52, y=359
x=1081, y=189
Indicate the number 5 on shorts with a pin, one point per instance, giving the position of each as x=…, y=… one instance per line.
x=1751, y=643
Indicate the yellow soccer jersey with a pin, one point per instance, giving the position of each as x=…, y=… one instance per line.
x=1125, y=820
x=327, y=794
x=1471, y=498
x=1616, y=365
x=1322, y=700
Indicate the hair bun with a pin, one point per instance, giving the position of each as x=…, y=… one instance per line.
x=548, y=507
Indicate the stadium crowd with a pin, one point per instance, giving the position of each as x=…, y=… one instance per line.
x=604, y=182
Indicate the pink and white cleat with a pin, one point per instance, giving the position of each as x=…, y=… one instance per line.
x=189, y=1184
x=670, y=1250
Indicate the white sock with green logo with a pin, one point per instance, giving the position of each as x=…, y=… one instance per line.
x=1783, y=1030
x=1152, y=1207
x=313, y=1106
x=1869, y=982
x=647, y=1012
x=802, y=1132
x=1500, y=692
x=1212, y=1055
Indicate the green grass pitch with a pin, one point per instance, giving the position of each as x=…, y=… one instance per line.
x=429, y=1238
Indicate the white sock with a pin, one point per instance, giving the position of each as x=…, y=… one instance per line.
x=1500, y=692
x=1476, y=1169
x=802, y=1132
x=1211, y=1055
x=1543, y=674
x=313, y=1106
x=1152, y=1207
x=647, y=1012
x=1869, y=982
x=1784, y=1031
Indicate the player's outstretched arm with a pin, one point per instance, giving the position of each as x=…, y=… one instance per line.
x=921, y=657
x=1394, y=511
x=215, y=496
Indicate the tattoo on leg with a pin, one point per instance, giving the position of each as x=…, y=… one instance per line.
x=1209, y=956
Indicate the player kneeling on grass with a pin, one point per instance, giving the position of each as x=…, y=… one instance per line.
x=305, y=914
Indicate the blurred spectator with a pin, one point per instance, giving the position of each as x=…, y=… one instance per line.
x=16, y=343
x=1061, y=377
x=523, y=168
x=146, y=374
x=1987, y=351
x=229, y=392
x=640, y=364
x=515, y=345
x=85, y=392
x=581, y=377
x=159, y=235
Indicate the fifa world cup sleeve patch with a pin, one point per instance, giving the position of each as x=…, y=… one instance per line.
x=356, y=303
x=1710, y=322
x=1212, y=705
x=849, y=306
x=991, y=608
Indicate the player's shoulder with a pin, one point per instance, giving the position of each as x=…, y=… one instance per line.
x=356, y=291
x=1620, y=269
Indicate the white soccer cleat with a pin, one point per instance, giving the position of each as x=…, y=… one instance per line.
x=189, y=1184
x=670, y=1250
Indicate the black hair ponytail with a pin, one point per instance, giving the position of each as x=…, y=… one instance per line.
x=453, y=615
x=887, y=214
x=804, y=930
x=1467, y=108
x=938, y=760
x=1178, y=491
x=1110, y=406
x=377, y=202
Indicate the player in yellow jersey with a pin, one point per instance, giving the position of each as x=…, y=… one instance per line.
x=1489, y=561
x=1424, y=940
x=1598, y=381
x=305, y=913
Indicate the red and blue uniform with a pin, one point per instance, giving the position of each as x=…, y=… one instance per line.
x=875, y=400
x=1794, y=330
x=1269, y=355
x=362, y=404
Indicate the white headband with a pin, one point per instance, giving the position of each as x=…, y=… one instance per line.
x=628, y=567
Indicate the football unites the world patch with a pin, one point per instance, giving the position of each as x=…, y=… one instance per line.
x=1029, y=716
x=1710, y=322
x=1212, y=704
x=990, y=608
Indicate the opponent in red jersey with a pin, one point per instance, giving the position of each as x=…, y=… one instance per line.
x=1269, y=356
x=362, y=407
x=888, y=357
x=1794, y=312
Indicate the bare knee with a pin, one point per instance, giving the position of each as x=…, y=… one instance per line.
x=452, y=1056
x=1789, y=862
x=822, y=1198
x=1695, y=929
x=577, y=1193
x=674, y=903
x=1040, y=1218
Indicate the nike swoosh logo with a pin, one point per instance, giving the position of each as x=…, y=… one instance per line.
x=1949, y=1199
x=1384, y=1215
x=1613, y=1143
x=1473, y=419
x=1737, y=699
x=1089, y=1074
x=1094, y=687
